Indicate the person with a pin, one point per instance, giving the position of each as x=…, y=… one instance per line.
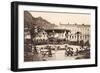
x=35, y=50
x=76, y=53
x=49, y=50
x=69, y=51
x=66, y=50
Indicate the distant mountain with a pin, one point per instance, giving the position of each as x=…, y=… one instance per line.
x=31, y=21
x=44, y=23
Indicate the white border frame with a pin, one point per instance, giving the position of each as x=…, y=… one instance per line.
x=22, y=64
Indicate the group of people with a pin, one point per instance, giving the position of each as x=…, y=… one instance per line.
x=69, y=51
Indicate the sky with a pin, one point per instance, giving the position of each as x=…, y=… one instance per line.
x=64, y=18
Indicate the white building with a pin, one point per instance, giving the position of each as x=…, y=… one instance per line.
x=82, y=30
x=68, y=32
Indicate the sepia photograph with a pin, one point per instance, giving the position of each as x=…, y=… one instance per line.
x=53, y=36
x=56, y=36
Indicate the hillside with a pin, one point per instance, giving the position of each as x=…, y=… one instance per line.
x=31, y=21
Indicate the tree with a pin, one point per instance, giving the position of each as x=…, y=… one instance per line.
x=78, y=34
x=67, y=31
x=31, y=24
x=82, y=43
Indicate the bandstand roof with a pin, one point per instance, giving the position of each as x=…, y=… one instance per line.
x=56, y=29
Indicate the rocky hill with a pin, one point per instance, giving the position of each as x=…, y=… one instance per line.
x=31, y=21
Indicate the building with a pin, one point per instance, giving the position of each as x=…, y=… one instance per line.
x=77, y=32
x=63, y=33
